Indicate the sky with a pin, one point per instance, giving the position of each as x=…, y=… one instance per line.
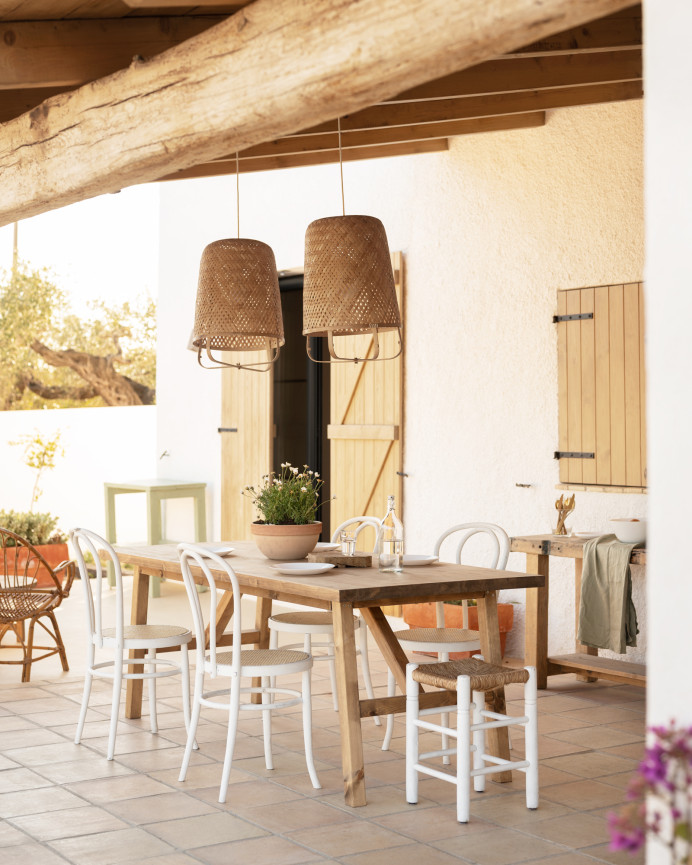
x=105, y=247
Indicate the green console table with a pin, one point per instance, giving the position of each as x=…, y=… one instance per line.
x=156, y=491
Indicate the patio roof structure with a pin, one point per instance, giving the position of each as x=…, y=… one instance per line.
x=144, y=91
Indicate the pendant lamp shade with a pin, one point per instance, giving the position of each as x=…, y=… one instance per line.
x=238, y=301
x=348, y=284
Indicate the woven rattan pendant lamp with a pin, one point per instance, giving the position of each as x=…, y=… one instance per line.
x=238, y=306
x=348, y=284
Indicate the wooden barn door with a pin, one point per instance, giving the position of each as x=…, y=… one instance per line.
x=365, y=432
x=246, y=439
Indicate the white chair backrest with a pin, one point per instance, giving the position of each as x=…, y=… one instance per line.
x=85, y=542
x=362, y=523
x=498, y=556
x=193, y=555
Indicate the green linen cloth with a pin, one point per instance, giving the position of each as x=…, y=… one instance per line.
x=607, y=617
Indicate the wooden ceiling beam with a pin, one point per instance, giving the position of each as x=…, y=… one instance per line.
x=386, y=115
x=72, y=52
x=268, y=71
x=397, y=135
x=222, y=167
x=531, y=73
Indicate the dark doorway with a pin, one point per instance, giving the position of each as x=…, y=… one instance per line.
x=301, y=393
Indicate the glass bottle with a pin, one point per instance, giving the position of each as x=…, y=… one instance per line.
x=390, y=543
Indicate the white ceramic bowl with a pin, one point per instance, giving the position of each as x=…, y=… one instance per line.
x=628, y=530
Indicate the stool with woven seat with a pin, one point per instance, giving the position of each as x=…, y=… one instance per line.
x=470, y=678
x=318, y=623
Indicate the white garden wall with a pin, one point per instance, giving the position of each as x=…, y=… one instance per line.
x=490, y=231
x=100, y=445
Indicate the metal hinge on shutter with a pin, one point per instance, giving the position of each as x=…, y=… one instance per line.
x=575, y=316
x=573, y=455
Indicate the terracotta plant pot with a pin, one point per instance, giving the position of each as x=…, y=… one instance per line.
x=285, y=542
x=54, y=554
x=423, y=616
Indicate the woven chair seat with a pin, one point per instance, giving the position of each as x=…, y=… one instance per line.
x=262, y=657
x=18, y=605
x=149, y=632
x=319, y=618
x=439, y=635
x=484, y=677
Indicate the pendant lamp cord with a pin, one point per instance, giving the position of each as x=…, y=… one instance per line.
x=237, y=191
x=341, y=168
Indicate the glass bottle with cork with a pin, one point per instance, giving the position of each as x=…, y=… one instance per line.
x=390, y=542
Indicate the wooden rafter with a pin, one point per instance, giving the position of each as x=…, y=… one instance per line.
x=238, y=84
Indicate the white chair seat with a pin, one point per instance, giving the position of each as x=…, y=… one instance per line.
x=122, y=638
x=469, y=679
x=260, y=665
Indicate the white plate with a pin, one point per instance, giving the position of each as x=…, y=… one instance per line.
x=417, y=561
x=220, y=549
x=303, y=569
x=588, y=534
x=325, y=547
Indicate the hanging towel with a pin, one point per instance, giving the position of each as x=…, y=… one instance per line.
x=607, y=618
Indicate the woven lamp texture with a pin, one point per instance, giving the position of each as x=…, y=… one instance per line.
x=238, y=300
x=348, y=285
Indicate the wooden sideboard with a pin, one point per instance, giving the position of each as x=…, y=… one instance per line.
x=585, y=661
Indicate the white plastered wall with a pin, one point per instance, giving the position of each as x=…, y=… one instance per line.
x=490, y=231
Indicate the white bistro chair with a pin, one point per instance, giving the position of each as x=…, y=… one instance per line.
x=236, y=664
x=119, y=638
x=470, y=678
x=317, y=629
x=441, y=640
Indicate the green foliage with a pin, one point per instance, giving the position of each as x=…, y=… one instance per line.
x=36, y=528
x=33, y=307
x=291, y=498
x=39, y=454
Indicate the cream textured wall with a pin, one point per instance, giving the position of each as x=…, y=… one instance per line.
x=490, y=230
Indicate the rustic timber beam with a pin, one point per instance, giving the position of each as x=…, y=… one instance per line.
x=70, y=53
x=466, y=107
x=270, y=70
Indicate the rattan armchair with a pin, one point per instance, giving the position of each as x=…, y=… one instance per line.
x=30, y=592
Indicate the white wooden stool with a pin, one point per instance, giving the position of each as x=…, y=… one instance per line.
x=470, y=678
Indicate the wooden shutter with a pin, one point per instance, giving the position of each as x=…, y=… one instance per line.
x=601, y=386
x=366, y=428
x=246, y=424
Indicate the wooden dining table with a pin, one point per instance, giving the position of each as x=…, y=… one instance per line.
x=341, y=591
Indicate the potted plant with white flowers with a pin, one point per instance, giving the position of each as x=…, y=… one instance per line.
x=287, y=504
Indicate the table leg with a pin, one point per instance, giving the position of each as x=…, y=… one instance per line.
x=154, y=534
x=580, y=647
x=349, y=704
x=138, y=616
x=536, y=636
x=489, y=627
x=387, y=643
x=262, y=612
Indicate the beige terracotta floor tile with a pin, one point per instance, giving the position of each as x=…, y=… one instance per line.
x=130, y=742
x=583, y=795
x=411, y=854
x=601, y=714
x=30, y=854
x=616, y=858
x=190, y=832
x=159, y=761
x=570, y=858
x=512, y=811
x=163, y=806
x=550, y=746
x=620, y=779
x=38, y=800
x=15, y=722
x=430, y=824
x=14, y=780
x=40, y=755
x=388, y=799
x=68, y=824
x=634, y=751
x=572, y=830
x=596, y=737
x=297, y=814
x=89, y=767
x=344, y=839
x=9, y=836
x=171, y=859
x=105, y=790
x=124, y=845
x=46, y=703
x=592, y=764
x=204, y=775
x=500, y=847
x=272, y=850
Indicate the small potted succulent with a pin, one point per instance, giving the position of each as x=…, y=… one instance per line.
x=39, y=529
x=287, y=504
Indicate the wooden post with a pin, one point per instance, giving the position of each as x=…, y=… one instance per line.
x=140, y=608
x=536, y=636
